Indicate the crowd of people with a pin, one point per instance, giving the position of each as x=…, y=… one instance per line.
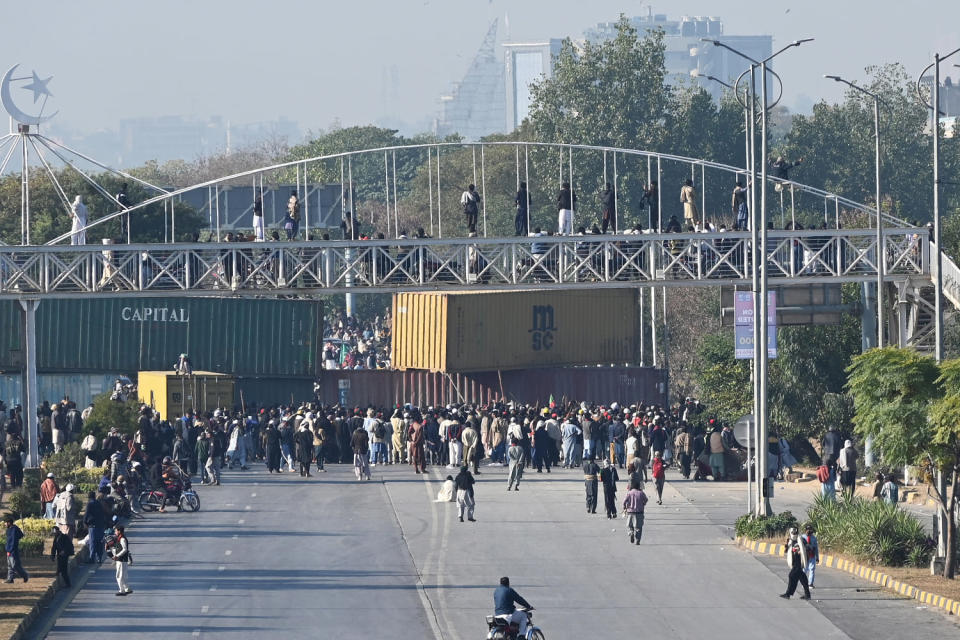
x=351, y=344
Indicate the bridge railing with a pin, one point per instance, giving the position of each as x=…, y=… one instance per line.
x=456, y=264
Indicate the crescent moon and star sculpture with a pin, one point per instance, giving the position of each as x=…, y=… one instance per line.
x=37, y=85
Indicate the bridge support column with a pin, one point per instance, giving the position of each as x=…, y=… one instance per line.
x=29, y=385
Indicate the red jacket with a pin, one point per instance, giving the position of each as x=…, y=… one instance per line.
x=658, y=472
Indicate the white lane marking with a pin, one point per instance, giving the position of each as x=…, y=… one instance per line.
x=253, y=495
x=221, y=568
x=227, y=552
x=205, y=608
x=213, y=588
x=196, y=633
x=235, y=537
x=256, y=484
x=229, y=504
x=241, y=521
x=246, y=508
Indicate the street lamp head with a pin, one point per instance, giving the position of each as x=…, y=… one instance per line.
x=797, y=43
x=835, y=78
x=711, y=41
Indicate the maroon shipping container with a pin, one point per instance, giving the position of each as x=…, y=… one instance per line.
x=425, y=388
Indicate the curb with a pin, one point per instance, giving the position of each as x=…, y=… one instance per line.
x=872, y=575
x=30, y=617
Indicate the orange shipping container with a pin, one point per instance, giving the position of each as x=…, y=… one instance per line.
x=514, y=330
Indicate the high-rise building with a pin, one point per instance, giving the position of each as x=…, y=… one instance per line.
x=494, y=96
x=476, y=105
x=525, y=63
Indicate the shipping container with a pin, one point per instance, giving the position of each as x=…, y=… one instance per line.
x=535, y=386
x=258, y=337
x=82, y=388
x=514, y=330
x=172, y=394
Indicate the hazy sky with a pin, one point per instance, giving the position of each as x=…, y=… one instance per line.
x=322, y=60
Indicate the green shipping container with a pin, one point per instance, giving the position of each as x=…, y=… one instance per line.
x=243, y=337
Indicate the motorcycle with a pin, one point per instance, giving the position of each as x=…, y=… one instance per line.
x=151, y=499
x=501, y=629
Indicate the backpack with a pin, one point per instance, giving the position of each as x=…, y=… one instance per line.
x=379, y=430
x=823, y=473
x=470, y=206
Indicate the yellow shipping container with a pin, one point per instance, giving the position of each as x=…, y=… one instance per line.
x=514, y=330
x=171, y=394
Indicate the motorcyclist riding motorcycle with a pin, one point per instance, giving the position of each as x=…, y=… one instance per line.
x=505, y=600
x=172, y=481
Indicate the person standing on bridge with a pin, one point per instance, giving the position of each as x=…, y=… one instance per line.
x=293, y=211
x=470, y=200
x=78, y=211
x=258, y=233
x=521, y=220
x=688, y=197
x=739, y=205
x=608, y=208
x=566, y=203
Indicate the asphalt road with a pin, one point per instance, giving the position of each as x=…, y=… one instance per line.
x=330, y=557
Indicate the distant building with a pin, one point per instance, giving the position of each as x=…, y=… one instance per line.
x=475, y=107
x=494, y=96
x=686, y=54
x=949, y=95
x=525, y=63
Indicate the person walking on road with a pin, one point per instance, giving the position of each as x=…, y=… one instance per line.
x=304, y=445
x=633, y=506
x=60, y=551
x=96, y=520
x=120, y=552
x=659, y=475
x=360, y=442
x=466, y=500
x=417, y=443
x=813, y=554
x=515, y=457
x=14, y=535
x=609, y=477
x=591, y=473
x=847, y=462
x=797, y=561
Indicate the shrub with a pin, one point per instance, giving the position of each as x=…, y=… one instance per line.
x=22, y=502
x=31, y=546
x=84, y=488
x=756, y=528
x=35, y=526
x=871, y=531
x=81, y=475
x=63, y=464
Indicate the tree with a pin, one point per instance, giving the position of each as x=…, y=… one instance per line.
x=911, y=409
x=108, y=414
x=836, y=143
x=944, y=453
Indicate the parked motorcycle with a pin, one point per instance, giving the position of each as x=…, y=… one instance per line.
x=501, y=629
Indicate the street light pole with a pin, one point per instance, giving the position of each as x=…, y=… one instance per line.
x=761, y=310
x=941, y=478
x=881, y=254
